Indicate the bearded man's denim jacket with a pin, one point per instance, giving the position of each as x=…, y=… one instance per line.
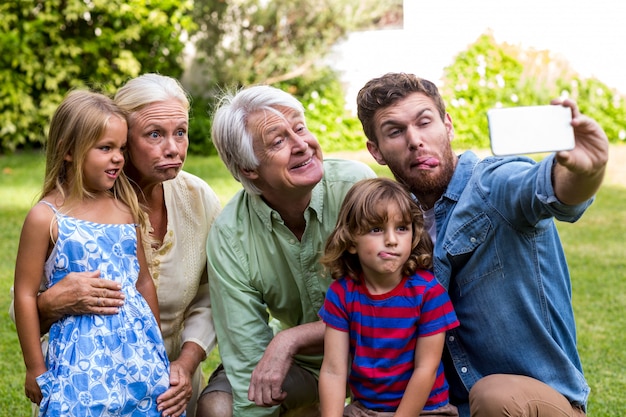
x=499, y=255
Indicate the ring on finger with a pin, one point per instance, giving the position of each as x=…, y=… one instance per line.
x=98, y=302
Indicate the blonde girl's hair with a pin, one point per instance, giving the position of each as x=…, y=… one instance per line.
x=365, y=207
x=77, y=124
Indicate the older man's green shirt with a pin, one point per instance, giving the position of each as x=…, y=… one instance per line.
x=258, y=269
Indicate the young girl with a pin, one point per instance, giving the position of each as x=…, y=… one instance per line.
x=385, y=313
x=87, y=220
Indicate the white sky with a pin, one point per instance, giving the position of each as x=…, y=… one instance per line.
x=590, y=34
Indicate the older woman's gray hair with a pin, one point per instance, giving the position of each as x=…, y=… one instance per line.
x=150, y=88
x=231, y=136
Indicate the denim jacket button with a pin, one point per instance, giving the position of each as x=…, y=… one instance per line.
x=464, y=369
x=451, y=338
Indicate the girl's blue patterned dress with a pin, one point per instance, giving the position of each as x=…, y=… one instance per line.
x=102, y=365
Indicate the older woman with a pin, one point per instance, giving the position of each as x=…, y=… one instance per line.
x=181, y=209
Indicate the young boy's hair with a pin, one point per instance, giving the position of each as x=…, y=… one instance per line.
x=364, y=208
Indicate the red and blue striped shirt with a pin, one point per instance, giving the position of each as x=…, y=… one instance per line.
x=383, y=333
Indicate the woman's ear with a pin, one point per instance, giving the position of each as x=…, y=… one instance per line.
x=249, y=173
x=68, y=157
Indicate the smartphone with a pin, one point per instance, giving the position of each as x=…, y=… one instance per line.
x=530, y=129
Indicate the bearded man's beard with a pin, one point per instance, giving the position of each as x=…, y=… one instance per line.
x=425, y=183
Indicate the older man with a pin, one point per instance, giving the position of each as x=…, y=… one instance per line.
x=265, y=279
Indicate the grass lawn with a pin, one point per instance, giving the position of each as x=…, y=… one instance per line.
x=595, y=249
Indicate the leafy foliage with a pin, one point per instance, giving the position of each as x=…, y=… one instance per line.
x=489, y=75
x=324, y=102
x=598, y=101
x=48, y=47
x=325, y=109
x=243, y=42
x=283, y=43
x=200, y=123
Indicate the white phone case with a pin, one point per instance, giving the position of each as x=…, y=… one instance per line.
x=530, y=129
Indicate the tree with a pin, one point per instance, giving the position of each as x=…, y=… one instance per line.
x=48, y=47
x=283, y=43
x=244, y=42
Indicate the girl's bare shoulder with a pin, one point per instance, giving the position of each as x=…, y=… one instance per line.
x=41, y=212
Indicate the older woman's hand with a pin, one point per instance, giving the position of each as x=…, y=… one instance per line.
x=79, y=293
x=173, y=402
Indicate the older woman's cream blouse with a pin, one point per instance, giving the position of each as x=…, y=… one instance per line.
x=178, y=268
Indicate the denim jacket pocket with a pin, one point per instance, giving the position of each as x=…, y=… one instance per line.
x=467, y=251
